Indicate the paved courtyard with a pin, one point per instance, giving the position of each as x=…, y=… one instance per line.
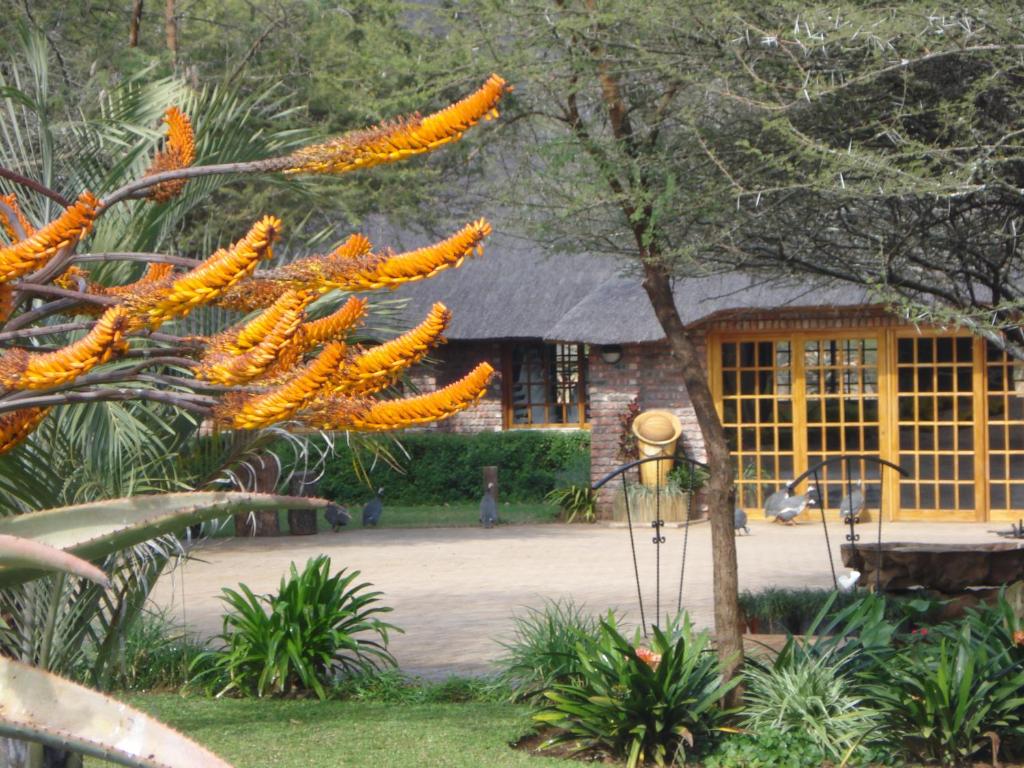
x=454, y=590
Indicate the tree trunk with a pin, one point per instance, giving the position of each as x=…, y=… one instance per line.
x=171, y=30
x=719, y=489
x=133, y=25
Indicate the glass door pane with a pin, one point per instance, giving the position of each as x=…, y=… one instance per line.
x=757, y=412
x=935, y=420
x=1005, y=406
x=842, y=414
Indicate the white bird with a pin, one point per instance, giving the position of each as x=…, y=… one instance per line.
x=848, y=582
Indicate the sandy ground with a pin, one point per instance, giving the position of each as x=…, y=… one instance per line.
x=454, y=590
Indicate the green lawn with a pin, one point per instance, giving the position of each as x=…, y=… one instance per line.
x=467, y=513
x=287, y=734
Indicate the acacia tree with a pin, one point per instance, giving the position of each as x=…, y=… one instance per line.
x=607, y=160
x=881, y=146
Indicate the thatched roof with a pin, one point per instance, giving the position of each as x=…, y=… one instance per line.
x=516, y=291
x=618, y=311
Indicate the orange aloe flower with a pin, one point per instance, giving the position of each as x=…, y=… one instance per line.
x=20, y=369
x=401, y=138
x=343, y=412
x=419, y=264
x=155, y=304
x=179, y=152
x=15, y=426
x=238, y=357
x=14, y=210
x=34, y=251
x=335, y=325
x=284, y=401
x=380, y=366
x=309, y=272
x=77, y=279
x=6, y=301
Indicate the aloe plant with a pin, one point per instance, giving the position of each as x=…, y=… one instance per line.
x=42, y=707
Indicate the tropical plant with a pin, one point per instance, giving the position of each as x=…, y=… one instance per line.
x=317, y=628
x=947, y=700
x=766, y=749
x=646, y=705
x=814, y=697
x=687, y=477
x=543, y=650
x=47, y=709
x=125, y=339
x=575, y=501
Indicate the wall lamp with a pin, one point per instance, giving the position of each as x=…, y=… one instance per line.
x=611, y=353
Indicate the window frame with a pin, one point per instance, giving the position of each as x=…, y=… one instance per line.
x=550, y=353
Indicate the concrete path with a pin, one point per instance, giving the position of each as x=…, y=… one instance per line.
x=454, y=590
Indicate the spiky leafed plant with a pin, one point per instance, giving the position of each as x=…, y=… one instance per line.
x=118, y=337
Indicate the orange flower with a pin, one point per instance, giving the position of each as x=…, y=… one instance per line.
x=34, y=251
x=401, y=138
x=1018, y=637
x=179, y=152
x=284, y=401
x=336, y=324
x=6, y=301
x=343, y=412
x=648, y=657
x=20, y=369
x=380, y=366
x=15, y=426
x=309, y=272
x=13, y=220
x=422, y=263
x=238, y=357
x=77, y=279
x=155, y=304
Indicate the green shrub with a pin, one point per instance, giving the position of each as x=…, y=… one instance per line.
x=766, y=749
x=646, y=706
x=390, y=686
x=155, y=654
x=813, y=697
x=942, y=698
x=444, y=468
x=543, y=650
x=575, y=501
x=317, y=628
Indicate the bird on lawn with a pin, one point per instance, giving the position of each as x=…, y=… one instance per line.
x=337, y=516
x=783, y=506
x=488, y=508
x=852, y=504
x=739, y=521
x=373, y=508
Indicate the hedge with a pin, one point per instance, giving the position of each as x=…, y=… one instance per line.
x=448, y=468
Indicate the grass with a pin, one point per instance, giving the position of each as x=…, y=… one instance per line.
x=425, y=516
x=288, y=734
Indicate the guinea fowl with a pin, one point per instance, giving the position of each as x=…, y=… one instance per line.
x=852, y=504
x=373, y=508
x=337, y=516
x=739, y=521
x=488, y=508
x=783, y=507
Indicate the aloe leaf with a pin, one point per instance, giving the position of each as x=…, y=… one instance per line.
x=39, y=706
x=16, y=552
x=97, y=529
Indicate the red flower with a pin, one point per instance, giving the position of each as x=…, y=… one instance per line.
x=648, y=657
x=923, y=632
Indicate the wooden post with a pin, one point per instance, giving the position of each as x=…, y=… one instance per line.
x=491, y=476
x=265, y=477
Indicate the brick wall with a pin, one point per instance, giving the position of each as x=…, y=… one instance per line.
x=647, y=372
x=455, y=360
